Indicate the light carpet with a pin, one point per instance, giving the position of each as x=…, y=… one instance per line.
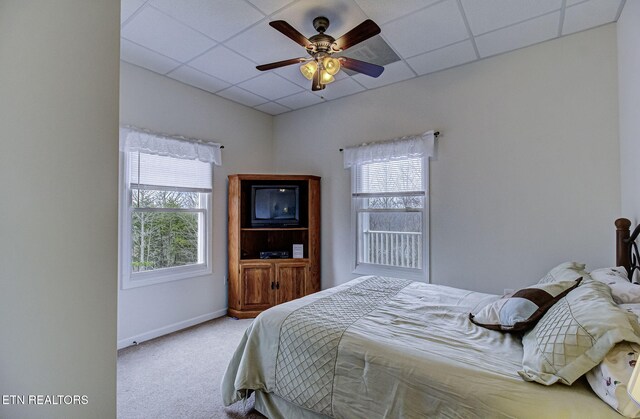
x=178, y=375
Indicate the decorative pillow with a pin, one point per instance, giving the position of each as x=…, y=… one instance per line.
x=575, y=335
x=521, y=310
x=622, y=290
x=568, y=271
x=609, y=379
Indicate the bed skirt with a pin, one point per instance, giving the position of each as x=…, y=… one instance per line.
x=275, y=407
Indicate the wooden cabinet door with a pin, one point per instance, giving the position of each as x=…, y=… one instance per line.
x=258, y=283
x=290, y=281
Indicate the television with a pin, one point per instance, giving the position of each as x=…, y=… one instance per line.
x=275, y=206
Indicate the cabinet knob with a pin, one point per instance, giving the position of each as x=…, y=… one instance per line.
x=277, y=285
x=273, y=285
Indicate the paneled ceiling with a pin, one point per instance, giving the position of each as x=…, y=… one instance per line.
x=215, y=45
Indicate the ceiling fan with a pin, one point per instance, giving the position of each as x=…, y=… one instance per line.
x=320, y=67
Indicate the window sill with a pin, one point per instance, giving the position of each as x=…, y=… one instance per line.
x=142, y=279
x=393, y=271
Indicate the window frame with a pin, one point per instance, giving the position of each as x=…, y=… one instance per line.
x=130, y=279
x=416, y=274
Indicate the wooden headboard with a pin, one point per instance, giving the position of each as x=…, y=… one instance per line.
x=626, y=247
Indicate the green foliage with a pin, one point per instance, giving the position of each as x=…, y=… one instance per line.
x=164, y=239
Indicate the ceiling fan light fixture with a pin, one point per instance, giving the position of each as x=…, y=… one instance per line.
x=331, y=65
x=326, y=77
x=308, y=69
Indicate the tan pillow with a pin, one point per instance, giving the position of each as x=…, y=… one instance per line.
x=567, y=271
x=575, y=335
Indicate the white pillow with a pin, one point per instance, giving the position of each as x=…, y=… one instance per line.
x=567, y=271
x=521, y=310
x=609, y=378
x=623, y=291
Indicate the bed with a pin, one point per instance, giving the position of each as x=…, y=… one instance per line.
x=379, y=347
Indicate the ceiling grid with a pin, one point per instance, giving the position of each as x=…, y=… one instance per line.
x=215, y=45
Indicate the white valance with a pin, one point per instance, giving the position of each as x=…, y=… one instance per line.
x=137, y=139
x=421, y=145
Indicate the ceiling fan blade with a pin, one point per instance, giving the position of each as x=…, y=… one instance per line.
x=282, y=63
x=360, y=33
x=290, y=32
x=317, y=84
x=363, y=67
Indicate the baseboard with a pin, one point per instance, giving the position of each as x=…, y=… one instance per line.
x=133, y=340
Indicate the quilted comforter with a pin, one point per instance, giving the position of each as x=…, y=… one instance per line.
x=380, y=347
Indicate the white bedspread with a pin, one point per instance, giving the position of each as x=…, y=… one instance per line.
x=415, y=356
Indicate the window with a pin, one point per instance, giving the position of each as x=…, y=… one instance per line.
x=389, y=213
x=165, y=218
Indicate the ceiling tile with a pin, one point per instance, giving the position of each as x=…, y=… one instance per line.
x=487, y=15
x=241, y=96
x=343, y=15
x=146, y=58
x=225, y=64
x=128, y=8
x=270, y=6
x=199, y=79
x=340, y=88
x=300, y=100
x=263, y=44
x=157, y=31
x=341, y=75
x=442, y=58
x=589, y=14
x=272, y=108
x=219, y=19
x=271, y=86
x=426, y=30
x=393, y=73
x=518, y=36
x=384, y=11
x=572, y=2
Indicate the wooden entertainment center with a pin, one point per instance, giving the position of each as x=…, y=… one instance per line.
x=256, y=284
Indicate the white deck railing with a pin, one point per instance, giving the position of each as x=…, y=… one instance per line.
x=393, y=248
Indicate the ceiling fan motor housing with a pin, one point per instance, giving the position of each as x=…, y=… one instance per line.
x=321, y=24
x=321, y=43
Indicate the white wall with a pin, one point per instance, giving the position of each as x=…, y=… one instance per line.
x=629, y=104
x=158, y=103
x=526, y=174
x=58, y=211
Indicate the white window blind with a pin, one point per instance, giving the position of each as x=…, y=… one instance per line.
x=390, y=177
x=148, y=171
